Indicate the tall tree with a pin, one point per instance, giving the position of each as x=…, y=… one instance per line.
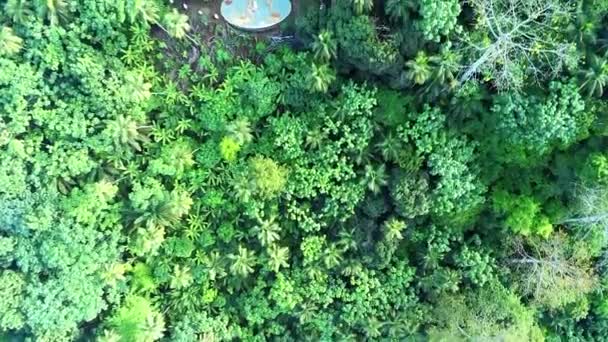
x=519, y=39
x=552, y=271
x=10, y=44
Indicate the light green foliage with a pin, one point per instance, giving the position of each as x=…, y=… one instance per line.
x=458, y=191
x=492, y=313
x=438, y=18
x=268, y=177
x=164, y=177
x=369, y=298
x=74, y=293
x=64, y=248
x=445, y=67
x=179, y=247
x=229, y=148
x=419, y=70
x=522, y=214
x=595, y=168
x=115, y=273
x=73, y=241
x=52, y=10
x=137, y=320
x=375, y=178
x=177, y=24
x=147, y=241
x=125, y=134
x=88, y=206
x=393, y=229
x=311, y=248
x=240, y=131
x=141, y=278
x=7, y=246
x=595, y=78
x=284, y=294
x=267, y=231
x=12, y=285
x=147, y=9
x=181, y=277
x=174, y=160
x=478, y=267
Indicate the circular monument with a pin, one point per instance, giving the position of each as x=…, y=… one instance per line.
x=255, y=15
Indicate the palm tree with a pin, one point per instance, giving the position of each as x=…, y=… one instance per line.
x=165, y=211
x=267, y=231
x=53, y=10
x=109, y=336
x=332, y=257
x=372, y=327
x=138, y=88
x=240, y=130
x=419, y=69
x=375, y=178
x=214, y=264
x=180, y=203
x=346, y=240
x=314, y=138
x=115, y=273
x=181, y=277
x=147, y=9
x=321, y=77
x=397, y=10
x=278, y=257
x=10, y=44
x=153, y=328
x=393, y=229
x=243, y=262
x=18, y=10
x=445, y=67
x=361, y=6
x=596, y=77
x=147, y=241
x=125, y=133
x=324, y=46
x=390, y=147
x=177, y=24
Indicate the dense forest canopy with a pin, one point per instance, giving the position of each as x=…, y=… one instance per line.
x=396, y=170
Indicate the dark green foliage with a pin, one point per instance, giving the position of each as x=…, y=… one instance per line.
x=406, y=170
x=529, y=127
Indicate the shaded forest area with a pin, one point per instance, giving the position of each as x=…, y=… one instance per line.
x=399, y=170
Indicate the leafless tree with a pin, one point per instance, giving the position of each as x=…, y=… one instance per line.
x=522, y=40
x=552, y=271
x=590, y=210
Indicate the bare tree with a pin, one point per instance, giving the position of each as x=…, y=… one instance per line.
x=590, y=208
x=553, y=271
x=522, y=40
